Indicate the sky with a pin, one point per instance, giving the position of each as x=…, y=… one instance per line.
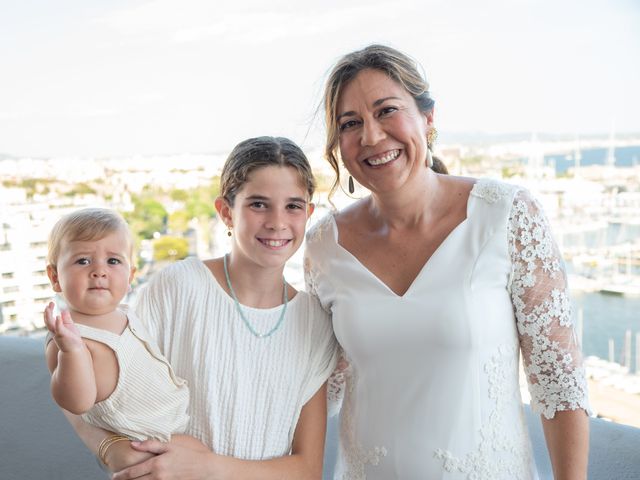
x=109, y=78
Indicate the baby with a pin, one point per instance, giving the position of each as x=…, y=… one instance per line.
x=103, y=366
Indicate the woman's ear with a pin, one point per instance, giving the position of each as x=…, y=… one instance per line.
x=224, y=210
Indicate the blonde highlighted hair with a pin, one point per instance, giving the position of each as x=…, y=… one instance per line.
x=85, y=225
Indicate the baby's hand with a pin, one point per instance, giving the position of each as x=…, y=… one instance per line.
x=65, y=333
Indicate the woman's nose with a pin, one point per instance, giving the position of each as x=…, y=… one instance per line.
x=372, y=133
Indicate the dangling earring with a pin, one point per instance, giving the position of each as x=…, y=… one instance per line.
x=228, y=231
x=352, y=188
x=429, y=158
x=431, y=139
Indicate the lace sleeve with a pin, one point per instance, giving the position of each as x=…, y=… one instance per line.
x=539, y=292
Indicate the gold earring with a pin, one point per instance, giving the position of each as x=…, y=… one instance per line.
x=352, y=188
x=432, y=136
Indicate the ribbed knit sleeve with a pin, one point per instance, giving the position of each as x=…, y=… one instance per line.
x=324, y=350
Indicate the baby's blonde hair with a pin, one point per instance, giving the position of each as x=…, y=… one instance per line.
x=85, y=225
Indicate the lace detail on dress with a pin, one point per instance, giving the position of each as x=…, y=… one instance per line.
x=353, y=453
x=490, y=190
x=336, y=385
x=539, y=292
x=317, y=231
x=500, y=454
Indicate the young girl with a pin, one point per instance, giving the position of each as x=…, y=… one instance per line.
x=255, y=351
x=103, y=364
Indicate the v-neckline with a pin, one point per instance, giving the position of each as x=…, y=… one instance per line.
x=452, y=233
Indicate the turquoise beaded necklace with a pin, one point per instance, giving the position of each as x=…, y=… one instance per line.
x=285, y=300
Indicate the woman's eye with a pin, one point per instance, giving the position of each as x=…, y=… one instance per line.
x=387, y=110
x=347, y=125
x=114, y=261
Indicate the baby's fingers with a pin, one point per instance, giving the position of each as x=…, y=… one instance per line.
x=49, y=318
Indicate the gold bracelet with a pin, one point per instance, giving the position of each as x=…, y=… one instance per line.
x=106, y=443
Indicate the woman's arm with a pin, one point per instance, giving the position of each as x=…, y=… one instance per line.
x=567, y=436
x=73, y=383
x=177, y=461
x=550, y=349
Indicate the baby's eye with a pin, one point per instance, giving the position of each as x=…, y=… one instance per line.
x=347, y=125
x=83, y=261
x=114, y=261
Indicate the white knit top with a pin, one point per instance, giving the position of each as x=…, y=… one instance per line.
x=246, y=392
x=149, y=400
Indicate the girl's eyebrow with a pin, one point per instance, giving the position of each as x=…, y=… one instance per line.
x=377, y=103
x=263, y=198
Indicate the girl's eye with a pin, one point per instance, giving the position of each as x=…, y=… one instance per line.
x=295, y=206
x=258, y=204
x=83, y=261
x=347, y=125
x=114, y=261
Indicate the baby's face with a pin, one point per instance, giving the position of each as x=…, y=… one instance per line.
x=94, y=276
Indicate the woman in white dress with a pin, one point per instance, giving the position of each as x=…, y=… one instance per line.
x=437, y=284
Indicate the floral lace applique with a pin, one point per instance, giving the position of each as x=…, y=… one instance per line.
x=355, y=456
x=499, y=455
x=539, y=292
x=490, y=190
x=317, y=231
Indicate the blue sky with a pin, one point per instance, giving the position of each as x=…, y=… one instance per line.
x=90, y=77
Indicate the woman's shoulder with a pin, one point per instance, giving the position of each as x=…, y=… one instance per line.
x=494, y=191
x=317, y=232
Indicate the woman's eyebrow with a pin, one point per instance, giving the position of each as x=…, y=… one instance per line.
x=377, y=103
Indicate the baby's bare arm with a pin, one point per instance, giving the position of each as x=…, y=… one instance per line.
x=73, y=383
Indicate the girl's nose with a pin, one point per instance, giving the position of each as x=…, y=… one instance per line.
x=276, y=221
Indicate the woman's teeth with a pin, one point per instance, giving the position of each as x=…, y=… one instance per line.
x=386, y=158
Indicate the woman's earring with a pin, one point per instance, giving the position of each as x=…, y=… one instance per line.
x=431, y=139
x=228, y=231
x=352, y=188
x=429, y=158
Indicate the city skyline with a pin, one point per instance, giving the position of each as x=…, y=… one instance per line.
x=162, y=77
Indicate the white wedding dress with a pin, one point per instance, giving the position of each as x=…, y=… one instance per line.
x=430, y=381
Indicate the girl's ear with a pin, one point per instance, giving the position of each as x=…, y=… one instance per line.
x=52, y=273
x=310, y=208
x=224, y=210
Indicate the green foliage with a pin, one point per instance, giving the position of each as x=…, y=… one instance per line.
x=80, y=189
x=179, y=195
x=170, y=248
x=179, y=221
x=147, y=218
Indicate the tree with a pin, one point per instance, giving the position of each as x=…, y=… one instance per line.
x=170, y=248
x=147, y=218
